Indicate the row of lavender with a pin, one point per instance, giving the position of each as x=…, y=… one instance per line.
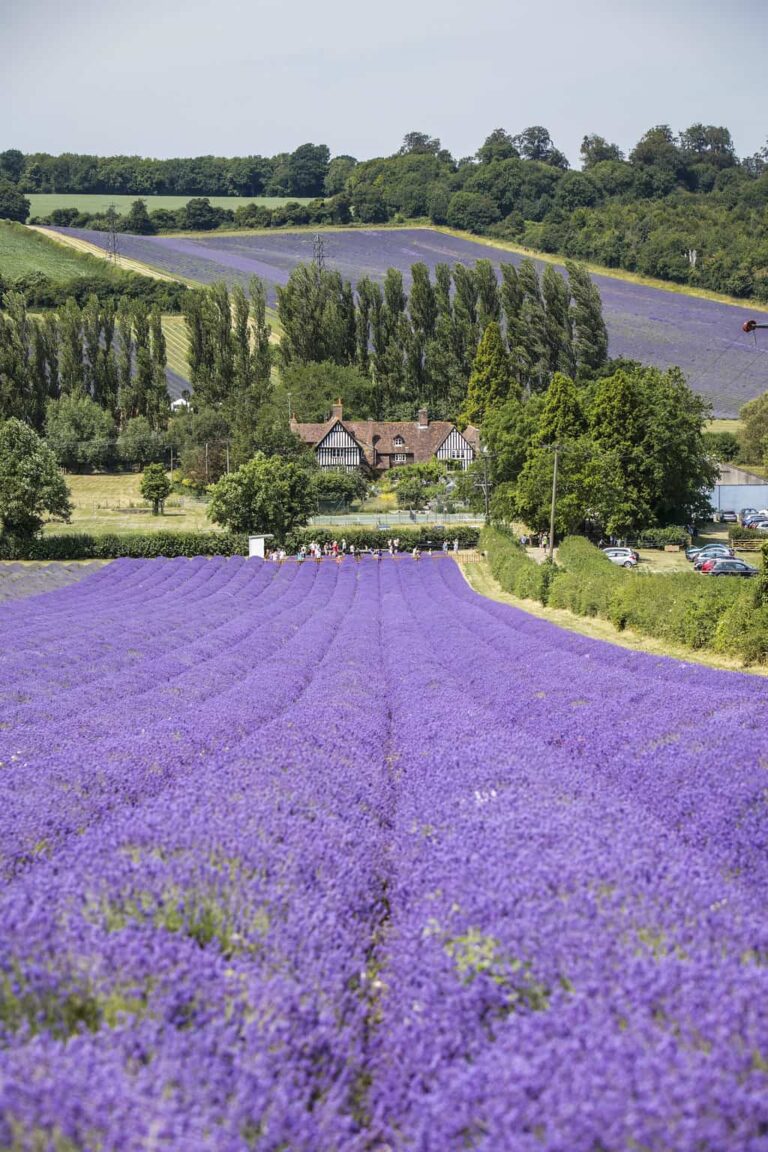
x=349, y=858
x=665, y=328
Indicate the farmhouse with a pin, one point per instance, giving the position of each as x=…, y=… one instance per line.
x=378, y=445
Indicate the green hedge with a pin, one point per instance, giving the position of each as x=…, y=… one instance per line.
x=362, y=537
x=110, y=547
x=736, y=534
x=516, y=571
x=728, y=616
x=587, y=579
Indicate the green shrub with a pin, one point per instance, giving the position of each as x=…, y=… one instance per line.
x=586, y=580
x=743, y=629
x=110, y=547
x=516, y=571
x=661, y=537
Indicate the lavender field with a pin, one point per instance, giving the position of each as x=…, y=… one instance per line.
x=657, y=327
x=320, y=857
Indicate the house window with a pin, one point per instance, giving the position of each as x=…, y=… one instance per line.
x=400, y=457
x=398, y=441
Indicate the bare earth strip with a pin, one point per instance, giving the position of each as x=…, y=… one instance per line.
x=94, y=250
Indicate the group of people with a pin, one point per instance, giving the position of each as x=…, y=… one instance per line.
x=535, y=541
x=338, y=549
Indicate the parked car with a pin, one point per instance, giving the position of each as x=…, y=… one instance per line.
x=626, y=557
x=744, y=513
x=754, y=517
x=760, y=525
x=731, y=568
x=710, y=558
x=720, y=551
x=728, y=517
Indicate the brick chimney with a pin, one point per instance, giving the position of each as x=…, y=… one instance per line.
x=337, y=410
x=423, y=418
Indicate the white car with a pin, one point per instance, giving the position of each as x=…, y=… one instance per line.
x=625, y=557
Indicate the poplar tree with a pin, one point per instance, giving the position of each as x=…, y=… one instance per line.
x=487, y=288
x=70, y=348
x=531, y=354
x=558, y=326
x=590, y=333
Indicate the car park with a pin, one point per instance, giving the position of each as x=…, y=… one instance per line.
x=626, y=557
x=721, y=551
x=731, y=568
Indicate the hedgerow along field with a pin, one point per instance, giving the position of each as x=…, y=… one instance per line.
x=345, y=857
x=43, y=203
x=653, y=325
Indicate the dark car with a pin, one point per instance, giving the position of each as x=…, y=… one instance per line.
x=721, y=551
x=731, y=568
x=745, y=512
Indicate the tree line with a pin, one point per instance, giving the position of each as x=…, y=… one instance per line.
x=84, y=375
x=302, y=172
x=680, y=206
x=404, y=349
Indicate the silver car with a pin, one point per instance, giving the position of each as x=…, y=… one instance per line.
x=625, y=557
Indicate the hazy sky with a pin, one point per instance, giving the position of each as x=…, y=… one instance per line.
x=234, y=77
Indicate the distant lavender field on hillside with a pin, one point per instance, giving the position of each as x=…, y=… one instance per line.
x=649, y=324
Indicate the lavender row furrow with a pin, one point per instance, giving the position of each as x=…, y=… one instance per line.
x=559, y=970
x=191, y=975
x=51, y=791
x=376, y=865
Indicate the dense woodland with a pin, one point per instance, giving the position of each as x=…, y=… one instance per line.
x=681, y=206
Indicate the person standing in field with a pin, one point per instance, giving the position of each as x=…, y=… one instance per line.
x=455, y=543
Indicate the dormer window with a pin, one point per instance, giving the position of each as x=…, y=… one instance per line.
x=398, y=441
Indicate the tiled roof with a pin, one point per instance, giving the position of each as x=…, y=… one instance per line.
x=421, y=441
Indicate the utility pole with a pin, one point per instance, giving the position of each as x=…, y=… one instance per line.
x=484, y=454
x=113, y=244
x=318, y=252
x=554, y=501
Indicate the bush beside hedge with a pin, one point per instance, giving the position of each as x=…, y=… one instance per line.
x=728, y=616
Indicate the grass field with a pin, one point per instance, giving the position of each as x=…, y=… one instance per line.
x=23, y=251
x=175, y=332
x=43, y=203
x=111, y=502
x=734, y=426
